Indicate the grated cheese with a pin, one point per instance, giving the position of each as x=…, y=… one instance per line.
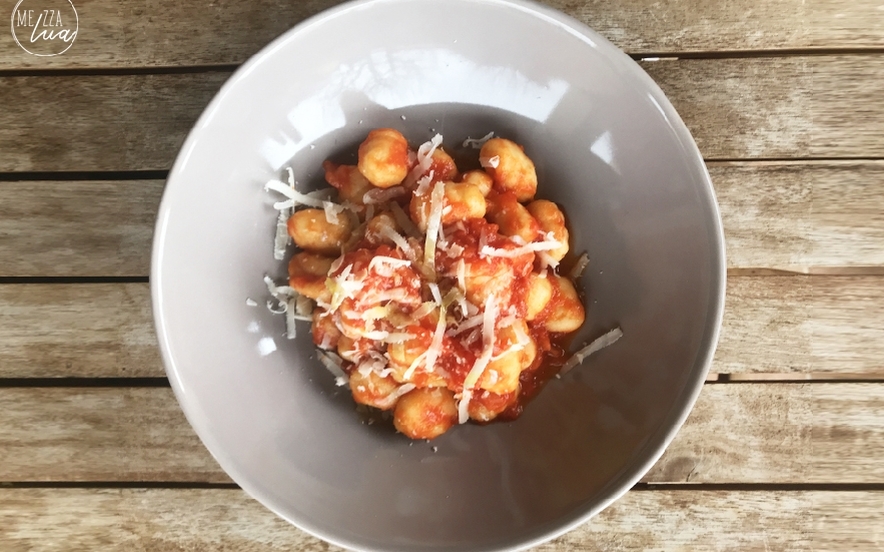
x=423, y=310
x=424, y=159
x=404, y=221
x=488, y=339
x=333, y=363
x=437, y=199
x=382, y=195
x=399, y=241
x=295, y=197
x=579, y=267
x=477, y=143
x=597, y=345
x=391, y=399
x=331, y=211
x=388, y=261
x=423, y=183
x=282, y=239
x=414, y=365
x=434, y=290
x=546, y=260
x=533, y=247
x=435, y=348
x=490, y=162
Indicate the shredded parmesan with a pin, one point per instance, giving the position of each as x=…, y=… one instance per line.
x=413, y=366
x=437, y=199
x=397, y=337
x=533, y=247
x=424, y=159
x=404, y=221
x=344, y=287
x=467, y=324
x=294, y=196
x=463, y=406
x=388, y=261
x=282, y=239
x=382, y=195
x=423, y=183
x=546, y=260
x=391, y=399
x=399, y=241
x=423, y=310
x=488, y=339
x=604, y=341
x=434, y=290
x=477, y=143
x=482, y=361
x=333, y=363
x=579, y=267
x=331, y=211
x=435, y=348
x=490, y=162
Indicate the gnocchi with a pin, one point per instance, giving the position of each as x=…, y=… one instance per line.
x=436, y=292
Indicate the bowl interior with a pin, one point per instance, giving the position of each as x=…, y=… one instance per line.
x=608, y=148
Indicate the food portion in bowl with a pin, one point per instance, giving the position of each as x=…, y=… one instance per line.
x=433, y=292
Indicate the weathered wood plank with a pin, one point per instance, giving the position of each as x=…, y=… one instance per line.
x=803, y=324
x=820, y=325
x=795, y=216
x=737, y=433
x=779, y=107
x=785, y=433
x=801, y=216
x=86, y=123
x=77, y=330
x=129, y=434
x=202, y=520
x=77, y=228
x=167, y=33
x=736, y=108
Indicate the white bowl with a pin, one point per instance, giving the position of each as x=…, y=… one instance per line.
x=608, y=147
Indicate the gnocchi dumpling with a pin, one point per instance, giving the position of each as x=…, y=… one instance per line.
x=509, y=167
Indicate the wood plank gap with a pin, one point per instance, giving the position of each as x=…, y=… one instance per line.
x=105, y=71
x=760, y=487
x=797, y=377
x=83, y=175
x=116, y=485
x=85, y=382
x=73, y=280
x=797, y=160
x=765, y=53
x=809, y=271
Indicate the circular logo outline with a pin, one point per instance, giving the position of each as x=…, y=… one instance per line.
x=15, y=37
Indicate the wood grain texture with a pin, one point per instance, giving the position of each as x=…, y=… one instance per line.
x=77, y=228
x=788, y=433
x=801, y=216
x=178, y=520
x=772, y=107
x=794, y=216
x=773, y=325
x=73, y=434
x=779, y=107
x=803, y=324
x=77, y=330
x=737, y=433
x=86, y=123
x=166, y=33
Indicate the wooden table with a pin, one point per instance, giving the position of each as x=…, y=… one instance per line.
x=785, y=448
